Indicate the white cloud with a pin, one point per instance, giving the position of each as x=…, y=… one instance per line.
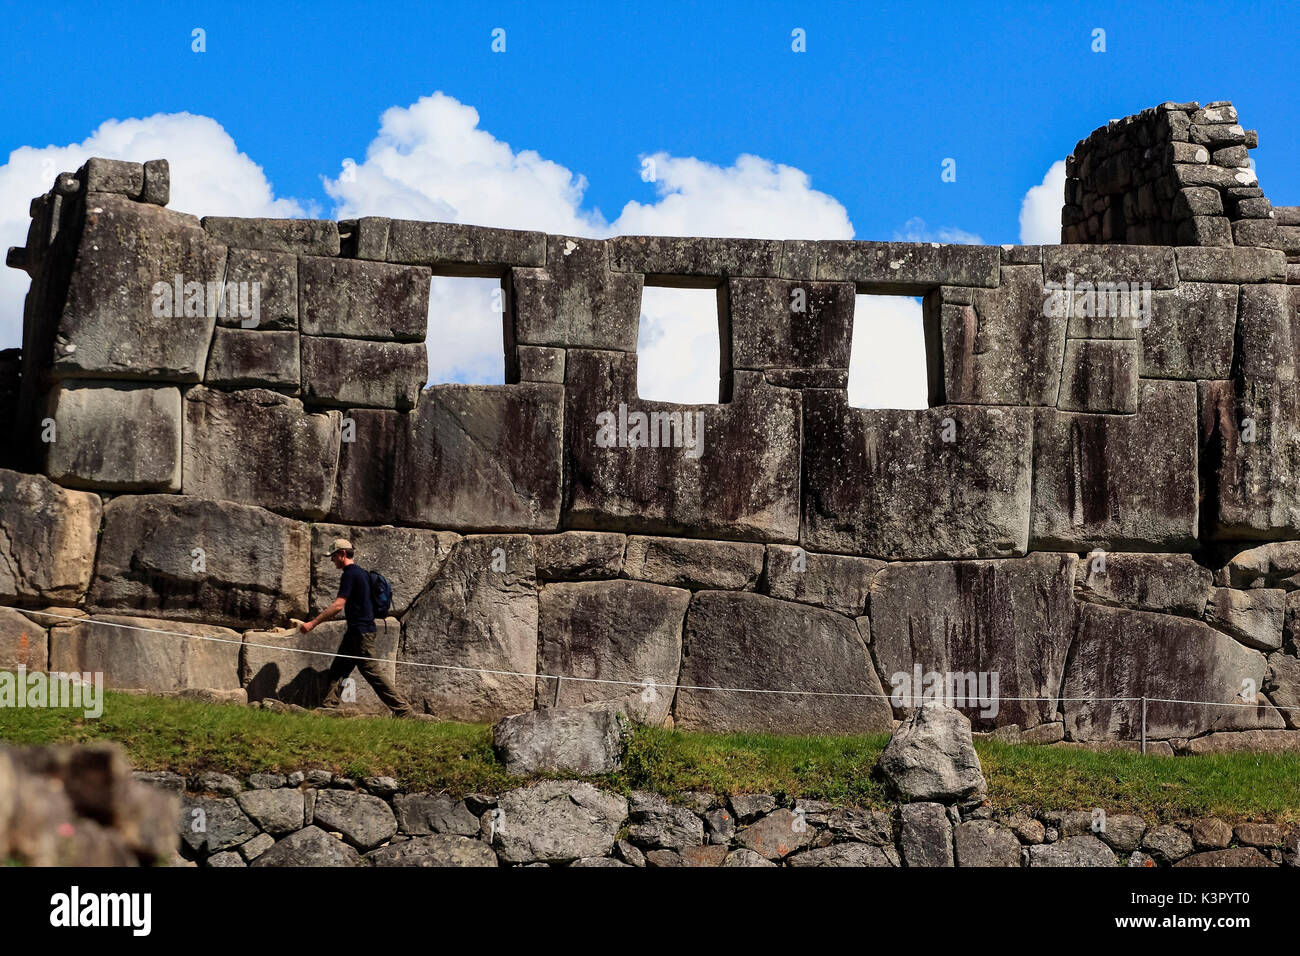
x=915, y=230
x=210, y=177
x=1040, y=213
x=888, y=368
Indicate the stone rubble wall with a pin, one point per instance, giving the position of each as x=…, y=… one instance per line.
x=199, y=468
x=313, y=818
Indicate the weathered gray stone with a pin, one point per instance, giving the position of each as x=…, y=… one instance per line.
x=925, y=835
x=1211, y=834
x=1131, y=654
x=967, y=621
x=1190, y=334
x=748, y=807
x=1245, y=741
x=348, y=373
x=260, y=291
x=1099, y=375
x=777, y=835
x=310, y=846
x=276, y=811
x=629, y=854
x=557, y=821
x=985, y=843
x=1083, y=850
x=1168, y=844
x=255, y=847
x=687, y=479
x=579, y=555
x=293, y=667
x=1165, y=583
x=266, y=781
x=130, y=652
x=719, y=826
x=1122, y=832
x=258, y=447
x=463, y=250
x=363, y=300
x=687, y=563
x=1274, y=565
x=1253, y=617
x=213, y=824
x=23, y=642
x=100, y=175
x=537, y=364
x=931, y=756
x=625, y=631
x=777, y=323
x=48, y=537
x=211, y=781
x=836, y=582
x=115, y=437
x=1235, y=857
x=1005, y=347
x=1118, y=482
x=1264, y=835
x=742, y=640
x=890, y=483
x=255, y=565
x=576, y=301
x=665, y=827
x=664, y=257
x=901, y=268
x=121, y=319
x=1238, y=264
x=305, y=237
x=157, y=182
x=1110, y=263
x=582, y=741
x=746, y=858
x=364, y=821
x=408, y=557
x=844, y=854
x=368, y=448
x=479, y=612
x=251, y=358
x=424, y=813
x=459, y=465
x=226, y=859
x=434, y=850
x=1282, y=685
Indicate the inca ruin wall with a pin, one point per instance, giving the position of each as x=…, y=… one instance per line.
x=1100, y=505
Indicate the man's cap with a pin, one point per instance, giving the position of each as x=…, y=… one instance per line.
x=340, y=544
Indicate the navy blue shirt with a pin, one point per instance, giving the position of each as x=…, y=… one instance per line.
x=354, y=587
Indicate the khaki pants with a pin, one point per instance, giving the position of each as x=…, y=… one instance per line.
x=357, y=644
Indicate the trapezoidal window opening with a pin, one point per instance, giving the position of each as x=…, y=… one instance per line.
x=679, y=343
x=466, y=332
x=887, y=361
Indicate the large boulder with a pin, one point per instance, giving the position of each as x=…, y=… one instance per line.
x=408, y=557
x=293, y=667
x=458, y=462
x=925, y=835
x=478, y=616
x=365, y=821
x=204, y=561
x=258, y=447
x=1272, y=565
x=1166, y=583
x=122, y=318
x=946, y=482
x=570, y=740
x=736, y=640
x=1134, y=654
x=1253, y=617
x=985, y=843
x=310, y=846
x=932, y=757
x=969, y=624
x=48, y=538
x=557, y=821
x=624, y=631
x=115, y=437
x=147, y=653
x=1082, y=850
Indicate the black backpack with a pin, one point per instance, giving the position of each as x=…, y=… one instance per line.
x=381, y=594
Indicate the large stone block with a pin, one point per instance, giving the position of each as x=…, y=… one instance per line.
x=624, y=631
x=121, y=318
x=1166, y=583
x=1135, y=654
x=1072, y=264
x=194, y=560
x=115, y=437
x=408, y=557
x=689, y=563
x=258, y=447
x=466, y=250
x=354, y=373
x=148, y=653
x=579, y=555
x=269, y=279
x=778, y=323
x=305, y=237
x=476, y=624
x=482, y=458
x=903, y=268
x=1123, y=482
x=663, y=257
x=251, y=358
x=576, y=301
x=1004, y=348
x=1237, y=264
x=48, y=537
x=23, y=642
x=951, y=481
x=368, y=450
x=363, y=300
x=736, y=640
x=1191, y=332
x=833, y=581
x=724, y=471
x=975, y=623
x=1099, y=375
x=293, y=667
x=1274, y=565
x=1254, y=617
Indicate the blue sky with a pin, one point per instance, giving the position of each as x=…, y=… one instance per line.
x=868, y=114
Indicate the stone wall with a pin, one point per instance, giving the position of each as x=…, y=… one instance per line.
x=202, y=459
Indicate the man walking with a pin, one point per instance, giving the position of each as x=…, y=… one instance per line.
x=359, y=639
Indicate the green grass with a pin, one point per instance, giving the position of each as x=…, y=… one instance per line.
x=189, y=736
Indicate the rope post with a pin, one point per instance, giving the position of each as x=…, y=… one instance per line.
x=1144, y=724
